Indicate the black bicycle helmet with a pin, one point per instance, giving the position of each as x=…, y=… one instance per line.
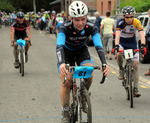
x=20, y=15
x=128, y=10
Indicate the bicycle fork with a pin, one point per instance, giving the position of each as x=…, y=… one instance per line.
x=21, y=49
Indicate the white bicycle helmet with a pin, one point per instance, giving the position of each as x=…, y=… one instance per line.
x=78, y=9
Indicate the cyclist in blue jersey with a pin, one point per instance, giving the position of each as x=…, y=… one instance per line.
x=125, y=39
x=71, y=48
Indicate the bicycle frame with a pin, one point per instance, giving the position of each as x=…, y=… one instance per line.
x=78, y=93
x=128, y=82
x=76, y=106
x=21, y=44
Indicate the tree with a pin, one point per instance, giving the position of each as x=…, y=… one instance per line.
x=139, y=5
x=27, y=5
x=5, y=5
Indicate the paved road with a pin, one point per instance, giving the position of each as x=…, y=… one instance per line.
x=35, y=97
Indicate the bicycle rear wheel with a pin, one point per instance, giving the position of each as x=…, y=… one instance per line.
x=130, y=85
x=22, y=62
x=85, y=117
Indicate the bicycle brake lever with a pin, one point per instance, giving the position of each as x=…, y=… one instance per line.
x=103, y=79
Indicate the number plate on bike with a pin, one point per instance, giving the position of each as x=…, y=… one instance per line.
x=128, y=54
x=21, y=42
x=83, y=72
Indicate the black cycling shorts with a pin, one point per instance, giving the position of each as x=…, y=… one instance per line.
x=78, y=57
x=20, y=36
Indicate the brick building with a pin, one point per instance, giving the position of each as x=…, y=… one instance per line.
x=105, y=5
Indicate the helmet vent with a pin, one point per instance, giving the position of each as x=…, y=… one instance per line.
x=77, y=4
x=78, y=11
x=74, y=13
x=72, y=9
x=83, y=12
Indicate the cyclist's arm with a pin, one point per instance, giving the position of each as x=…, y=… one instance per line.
x=29, y=33
x=117, y=37
x=141, y=33
x=102, y=25
x=61, y=38
x=12, y=34
x=99, y=47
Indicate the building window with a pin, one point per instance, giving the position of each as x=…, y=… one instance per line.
x=101, y=7
x=109, y=5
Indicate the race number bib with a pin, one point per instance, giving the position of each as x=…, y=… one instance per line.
x=83, y=72
x=21, y=42
x=128, y=54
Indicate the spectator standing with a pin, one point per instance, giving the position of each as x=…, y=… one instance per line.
x=107, y=39
x=54, y=21
x=13, y=16
x=148, y=39
x=50, y=25
x=43, y=22
x=98, y=20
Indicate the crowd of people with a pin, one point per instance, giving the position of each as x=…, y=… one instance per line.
x=44, y=20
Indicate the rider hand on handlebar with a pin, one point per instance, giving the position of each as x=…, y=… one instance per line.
x=63, y=71
x=143, y=49
x=12, y=44
x=106, y=71
x=116, y=49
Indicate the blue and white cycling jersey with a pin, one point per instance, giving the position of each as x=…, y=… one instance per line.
x=72, y=39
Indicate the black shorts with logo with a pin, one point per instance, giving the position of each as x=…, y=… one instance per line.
x=78, y=57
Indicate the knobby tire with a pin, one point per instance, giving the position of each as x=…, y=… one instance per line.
x=130, y=85
x=22, y=63
x=89, y=109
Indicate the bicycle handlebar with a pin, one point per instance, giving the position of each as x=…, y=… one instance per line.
x=95, y=67
x=121, y=51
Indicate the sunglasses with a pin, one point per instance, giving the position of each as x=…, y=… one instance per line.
x=20, y=17
x=131, y=17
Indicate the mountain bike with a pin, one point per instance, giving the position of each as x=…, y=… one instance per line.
x=21, y=47
x=80, y=93
x=128, y=75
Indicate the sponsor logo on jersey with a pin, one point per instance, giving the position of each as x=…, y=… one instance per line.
x=82, y=32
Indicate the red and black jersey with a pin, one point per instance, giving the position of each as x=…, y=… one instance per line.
x=20, y=29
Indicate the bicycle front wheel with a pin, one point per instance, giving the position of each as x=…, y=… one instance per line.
x=85, y=110
x=22, y=62
x=130, y=82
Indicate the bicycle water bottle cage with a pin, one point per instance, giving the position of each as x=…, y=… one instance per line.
x=83, y=72
x=21, y=42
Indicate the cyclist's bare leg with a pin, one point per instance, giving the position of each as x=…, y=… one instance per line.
x=120, y=60
x=27, y=45
x=65, y=90
x=136, y=73
x=120, y=64
x=88, y=81
x=15, y=51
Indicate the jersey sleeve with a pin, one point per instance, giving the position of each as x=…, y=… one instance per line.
x=102, y=22
x=120, y=24
x=99, y=47
x=137, y=24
